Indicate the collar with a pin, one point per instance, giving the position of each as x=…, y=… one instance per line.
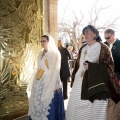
x=45, y=50
x=113, y=42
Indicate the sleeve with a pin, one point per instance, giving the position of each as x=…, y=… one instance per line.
x=76, y=67
x=112, y=76
x=54, y=66
x=51, y=78
x=68, y=54
x=113, y=86
x=74, y=72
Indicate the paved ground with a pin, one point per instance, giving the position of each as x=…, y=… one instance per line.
x=65, y=103
x=22, y=118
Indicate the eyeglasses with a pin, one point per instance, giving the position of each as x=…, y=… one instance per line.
x=43, y=41
x=107, y=38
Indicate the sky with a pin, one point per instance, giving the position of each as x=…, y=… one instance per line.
x=66, y=8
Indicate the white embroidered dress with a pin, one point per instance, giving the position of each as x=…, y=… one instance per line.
x=78, y=109
x=40, y=92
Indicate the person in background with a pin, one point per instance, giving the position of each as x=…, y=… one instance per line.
x=114, y=44
x=64, y=71
x=44, y=89
x=70, y=49
x=70, y=61
x=81, y=40
x=95, y=83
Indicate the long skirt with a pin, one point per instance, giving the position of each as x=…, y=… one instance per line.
x=78, y=109
x=56, y=111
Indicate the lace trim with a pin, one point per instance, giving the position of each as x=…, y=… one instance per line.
x=38, y=110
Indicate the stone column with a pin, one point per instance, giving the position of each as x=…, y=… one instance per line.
x=51, y=18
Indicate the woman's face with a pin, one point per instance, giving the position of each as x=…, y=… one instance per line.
x=44, y=42
x=89, y=35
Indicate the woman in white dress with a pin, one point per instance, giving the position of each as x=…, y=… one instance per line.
x=44, y=90
x=93, y=52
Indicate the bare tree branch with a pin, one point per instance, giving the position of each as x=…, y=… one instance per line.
x=72, y=28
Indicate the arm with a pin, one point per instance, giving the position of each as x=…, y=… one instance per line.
x=54, y=69
x=56, y=66
x=76, y=66
x=112, y=76
x=56, y=72
x=51, y=77
x=68, y=54
x=113, y=86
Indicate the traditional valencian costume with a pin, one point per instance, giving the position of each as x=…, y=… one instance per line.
x=44, y=90
x=90, y=107
x=95, y=88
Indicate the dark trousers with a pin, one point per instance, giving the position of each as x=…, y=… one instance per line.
x=64, y=81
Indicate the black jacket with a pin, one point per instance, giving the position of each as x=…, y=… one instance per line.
x=64, y=71
x=116, y=54
x=95, y=83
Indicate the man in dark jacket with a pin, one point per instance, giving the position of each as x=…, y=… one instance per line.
x=64, y=71
x=114, y=45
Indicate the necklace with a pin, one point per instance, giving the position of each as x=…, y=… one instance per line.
x=85, y=53
x=44, y=52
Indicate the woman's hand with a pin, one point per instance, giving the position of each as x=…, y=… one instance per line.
x=85, y=65
x=58, y=90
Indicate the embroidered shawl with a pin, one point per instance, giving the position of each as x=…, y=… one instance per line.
x=105, y=57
